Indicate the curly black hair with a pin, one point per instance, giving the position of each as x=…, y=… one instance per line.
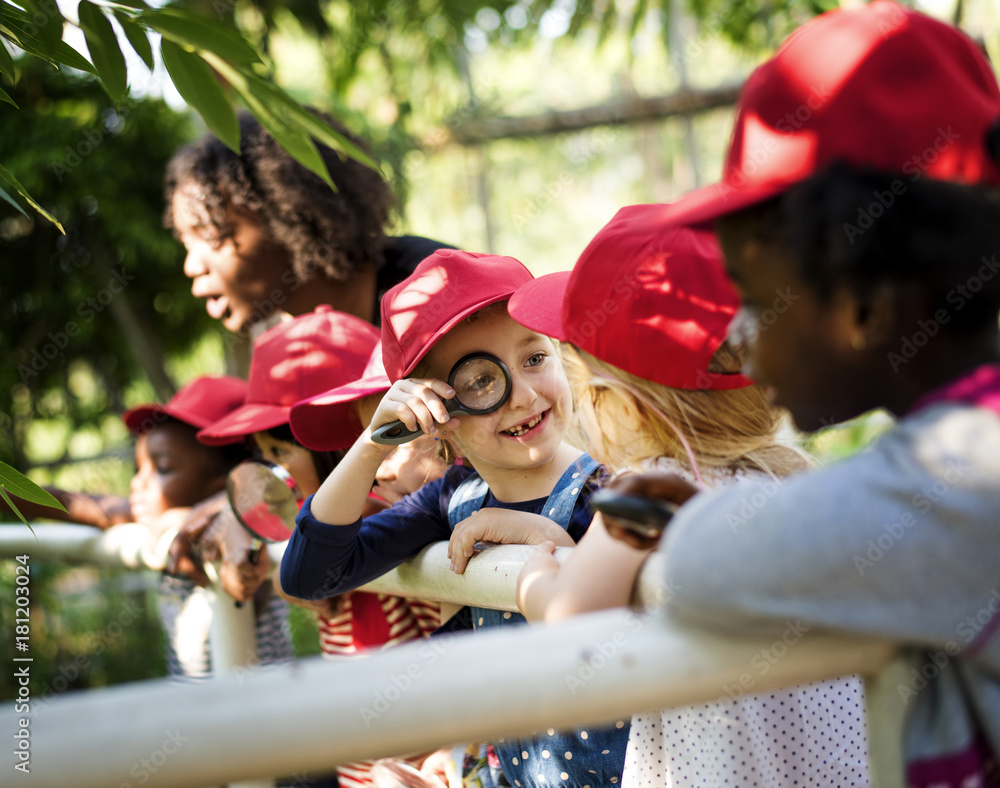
x=855, y=227
x=331, y=233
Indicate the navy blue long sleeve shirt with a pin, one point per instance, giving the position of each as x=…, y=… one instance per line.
x=323, y=560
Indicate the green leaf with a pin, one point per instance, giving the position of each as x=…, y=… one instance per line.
x=20, y=485
x=6, y=176
x=45, y=16
x=4, y=195
x=104, y=50
x=289, y=116
x=130, y=3
x=317, y=128
x=13, y=12
x=198, y=86
x=5, y=97
x=274, y=118
x=299, y=146
x=10, y=503
x=6, y=63
x=14, y=25
x=294, y=115
x=192, y=31
x=136, y=36
x=65, y=54
x=17, y=26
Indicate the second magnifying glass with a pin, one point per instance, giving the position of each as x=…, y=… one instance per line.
x=482, y=385
x=645, y=517
x=265, y=500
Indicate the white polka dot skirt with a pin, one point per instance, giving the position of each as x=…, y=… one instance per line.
x=812, y=736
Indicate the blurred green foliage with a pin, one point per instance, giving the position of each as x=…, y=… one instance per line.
x=88, y=322
x=86, y=316
x=89, y=628
x=843, y=440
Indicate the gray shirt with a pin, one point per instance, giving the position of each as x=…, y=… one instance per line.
x=899, y=541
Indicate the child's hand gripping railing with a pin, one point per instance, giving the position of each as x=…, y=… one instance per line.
x=304, y=718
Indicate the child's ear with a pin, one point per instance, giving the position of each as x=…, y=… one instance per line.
x=869, y=320
x=630, y=416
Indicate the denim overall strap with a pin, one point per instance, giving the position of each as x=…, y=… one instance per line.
x=593, y=757
x=467, y=499
x=470, y=495
x=562, y=502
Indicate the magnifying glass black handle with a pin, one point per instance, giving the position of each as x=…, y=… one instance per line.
x=643, y=516
x=253, y=557
x=395, y=433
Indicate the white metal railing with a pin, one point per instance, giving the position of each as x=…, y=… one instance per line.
x=311, y=715
x=489, y=581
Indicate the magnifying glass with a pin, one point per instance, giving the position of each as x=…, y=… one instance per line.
x=482, y=385
x=645, y=517
x=265, y=499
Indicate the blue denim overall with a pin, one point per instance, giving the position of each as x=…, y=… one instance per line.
x=591, y=757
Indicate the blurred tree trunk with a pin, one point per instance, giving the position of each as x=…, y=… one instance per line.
x=143, y=343
x=621, y=111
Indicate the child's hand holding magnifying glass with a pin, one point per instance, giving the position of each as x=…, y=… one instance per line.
x=411, y=407
x=637, y=507
x=478, y=384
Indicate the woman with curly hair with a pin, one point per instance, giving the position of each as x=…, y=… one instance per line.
x=264, y=234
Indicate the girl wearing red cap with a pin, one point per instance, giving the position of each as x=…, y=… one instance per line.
x=658, y=387
x=298, y=359
x=876, y=217
x=519, y=481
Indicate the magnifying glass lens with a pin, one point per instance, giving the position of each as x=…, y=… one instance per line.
x=479, y=384
x=264, y=499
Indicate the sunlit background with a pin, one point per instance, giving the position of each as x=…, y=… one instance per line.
x=417, y=79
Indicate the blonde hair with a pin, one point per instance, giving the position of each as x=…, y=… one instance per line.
x=726, y=430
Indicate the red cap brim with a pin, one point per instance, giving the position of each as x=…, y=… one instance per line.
x=703, y=206
x=327, y=422
x=538, y=304
x=245, y=420
x=142, y=419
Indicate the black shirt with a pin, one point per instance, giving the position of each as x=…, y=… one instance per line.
x=402, y=255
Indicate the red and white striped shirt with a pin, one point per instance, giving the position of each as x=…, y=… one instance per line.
x=369, y=621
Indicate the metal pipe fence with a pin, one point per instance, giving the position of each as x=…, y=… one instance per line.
x=252, y=723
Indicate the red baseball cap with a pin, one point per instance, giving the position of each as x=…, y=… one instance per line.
x=443, y=289
x=880, y=86
x=328, y=422
x=294, y=360
x=649, y=298
x=199, y=403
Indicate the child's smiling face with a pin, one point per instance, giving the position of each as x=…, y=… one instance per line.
x=529, y=428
